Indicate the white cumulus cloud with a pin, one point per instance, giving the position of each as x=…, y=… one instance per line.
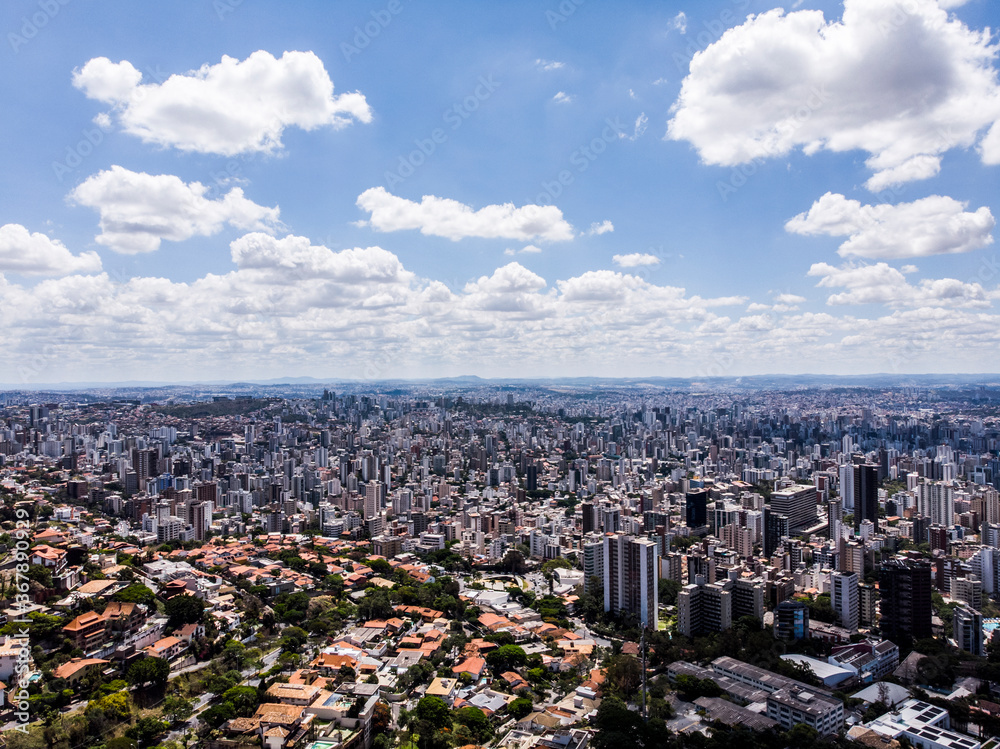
x=603, y=227
x=549, y=65
x=904, y=82
x=35, y=254
x=882, y=284
x=635, y=260
x=444, y=217
x=562, y=97
x=288, y=304
x=228, y=108
x=138, y=210
x=528, y=249
x=935, y=225
x=599, y=286
x=297, y=258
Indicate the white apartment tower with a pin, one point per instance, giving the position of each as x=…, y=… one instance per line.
x=631, y=568
x=845, y=600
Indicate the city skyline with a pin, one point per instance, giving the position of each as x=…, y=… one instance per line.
x=232, y=192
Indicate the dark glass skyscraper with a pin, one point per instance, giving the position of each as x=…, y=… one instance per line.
x=865, y=494
x=905, y=593
x=697, y=508
x=775, y=528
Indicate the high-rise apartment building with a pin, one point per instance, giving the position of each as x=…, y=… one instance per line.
x=867, y=600
x=703, y=608
x=936, y=500
x=373, y=500
x=847, y=486
x=631, y=569
x=969, y=591
x=853, y=558
x=738, y=539
x=967, y=625
x=844, y=599
x=593, y=564
x=798, y=504
x=748, y=597
x=791, y=620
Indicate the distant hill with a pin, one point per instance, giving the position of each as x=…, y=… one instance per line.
x=217, y=408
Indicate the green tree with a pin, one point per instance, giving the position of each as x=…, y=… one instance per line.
x=617, y=726
x=431, y=718
x=375, y=605
x=538, y=675
x=216, y=715
x=136, y=593
x=335, y=584
x=506, y=658
x=293, y=638
x=40, y=574
x=242, y=700
x=234, y=653
x=477, y=723
x=691, y=687
x=801, y=736
x=624, y=674
x=115, y=706
x=148, y=671
x=434, y=711
x=176, y=708
x=184, y=609
x=513, y=562
x=668, y=590
x=146, y=731
x=416, y=674
x=520, y=707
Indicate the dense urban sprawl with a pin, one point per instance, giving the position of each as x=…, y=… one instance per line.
x=427, y=567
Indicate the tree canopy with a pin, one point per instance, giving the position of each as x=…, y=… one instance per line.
x=506, y=658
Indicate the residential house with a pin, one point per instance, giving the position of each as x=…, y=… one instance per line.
x=78, y=669
x=87, y=631
x=167, y=648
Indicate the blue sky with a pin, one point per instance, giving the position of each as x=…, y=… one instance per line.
x=663, y=188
